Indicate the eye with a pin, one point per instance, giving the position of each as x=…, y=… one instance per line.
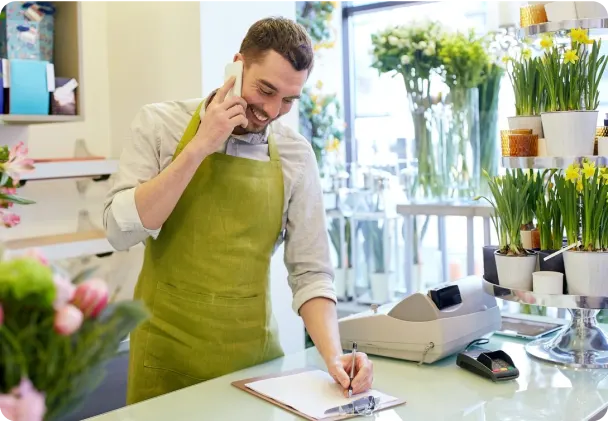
x=265, y=92
x=288, y=100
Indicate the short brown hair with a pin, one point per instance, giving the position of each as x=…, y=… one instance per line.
x=286, y=37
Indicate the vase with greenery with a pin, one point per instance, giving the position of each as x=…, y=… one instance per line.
x=343, y=271
x=411, y=51
x=464, y=62
x=375, y=250
x=583, y=200
x=489, y=89
x=509, y=199
x=572, y=74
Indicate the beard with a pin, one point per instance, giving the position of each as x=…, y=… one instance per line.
x=258, y=119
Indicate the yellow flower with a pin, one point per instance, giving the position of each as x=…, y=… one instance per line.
x=506, y=59
x=313, y=98
x=572, y=173
x=334, y=3
x=526, y=54
x=589, y=170
x=333, y=145
x=579, y=185
x=578, y=35
x=319, y=85
x=570, y=57
x=546, y=42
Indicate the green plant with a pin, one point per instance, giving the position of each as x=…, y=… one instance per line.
x=463, y=60
x=509, y=200
x=320, y=120
x=373, y=232
x=316, y=16
x=595, y=70
x=549, y=218
x=568, y=200
x=334, y=235
x=528, y=84
x=535, y=182
x=489, y=90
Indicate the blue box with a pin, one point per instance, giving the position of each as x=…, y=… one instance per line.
x=24, y=38
x=28, y=90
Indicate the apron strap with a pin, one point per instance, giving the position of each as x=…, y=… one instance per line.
x=272, y=148
x=190, y=131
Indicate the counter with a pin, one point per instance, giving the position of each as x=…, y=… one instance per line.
x=441, y=391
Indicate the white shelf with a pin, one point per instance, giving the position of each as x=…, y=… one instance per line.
x=61, y=246
x=38, y=119
x=72, y=169
x=550, y=162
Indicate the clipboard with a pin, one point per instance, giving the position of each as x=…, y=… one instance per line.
x=241, y=384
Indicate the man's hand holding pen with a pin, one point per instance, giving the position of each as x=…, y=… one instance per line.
x=353, y=371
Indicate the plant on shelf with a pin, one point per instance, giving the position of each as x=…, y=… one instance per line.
x=549, y=218
x=56, y=336
x=527, y=83
x=13, y=164
x=582, y=194
x=571, y=74
x=529, y=233
x=510, y=197
x=411, y=51
x=464, y=61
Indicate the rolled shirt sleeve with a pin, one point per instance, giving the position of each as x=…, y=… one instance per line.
x=307, y=256
x=139, y=162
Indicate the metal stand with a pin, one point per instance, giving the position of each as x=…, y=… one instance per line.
x=581, y=344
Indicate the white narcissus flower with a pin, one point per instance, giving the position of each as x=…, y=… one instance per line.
x=405, y=60
x=393, y=40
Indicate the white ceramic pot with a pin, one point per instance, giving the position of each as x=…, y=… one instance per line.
x=590, y=9
x=570, y=133
x=533, y=122
x=516, y=271
x=548, y=282
x=602, y=146
x=586, y=273
x=542, y=147
x=560, y=10
x=380, y=287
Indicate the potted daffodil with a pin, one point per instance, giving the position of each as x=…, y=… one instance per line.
x=510, y=194
x=582, y=194
x=571, y=74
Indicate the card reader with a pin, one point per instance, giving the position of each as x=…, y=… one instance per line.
x=494, y=365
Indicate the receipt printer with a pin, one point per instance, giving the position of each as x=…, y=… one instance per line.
x=425, y=327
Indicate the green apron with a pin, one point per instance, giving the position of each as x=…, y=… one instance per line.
x=206, y=278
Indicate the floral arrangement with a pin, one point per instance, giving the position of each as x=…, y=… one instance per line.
x=13, y=163
x=488, y=117
x=582, y=196
x=56, y=334
x=510, y=199
x=572, y=72
x=527, y=82
x=464, y=58
x=320, y=121
x=316, y=17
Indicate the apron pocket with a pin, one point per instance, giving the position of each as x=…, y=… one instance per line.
x=204, y=336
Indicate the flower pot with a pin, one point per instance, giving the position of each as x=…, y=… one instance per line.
x=586, y=273
x=554, y=264
x=489, y=264
x=558, y=11
x=516, y=271
x=380, y=287
x=527, y=122
x=570, y=133
x=590, y=9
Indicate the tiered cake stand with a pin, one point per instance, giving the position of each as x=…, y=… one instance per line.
x=581, y=343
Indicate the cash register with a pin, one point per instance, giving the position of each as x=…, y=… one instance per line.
x=425, y=327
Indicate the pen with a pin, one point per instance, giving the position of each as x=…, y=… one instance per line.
x=352, y=370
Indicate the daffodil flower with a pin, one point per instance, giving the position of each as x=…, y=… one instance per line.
x=589, y=170
x=578, y=35
x=572, y=173
x=526, y=54
x=546, y=42
x=570, y=57
x=579, y=185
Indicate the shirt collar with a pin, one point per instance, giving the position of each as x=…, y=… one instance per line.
x=252, y=138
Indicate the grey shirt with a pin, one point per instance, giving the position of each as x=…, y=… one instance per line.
x=155, y=132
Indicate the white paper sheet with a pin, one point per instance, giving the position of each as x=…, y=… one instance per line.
x=310, y=392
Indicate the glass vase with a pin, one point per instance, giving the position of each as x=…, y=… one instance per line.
x=462, y=152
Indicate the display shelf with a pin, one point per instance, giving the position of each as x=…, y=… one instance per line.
x=566, y=25
x=581, y=343
x=38, y=119
x=61, y=246
x=72, y=168
x=550, y=162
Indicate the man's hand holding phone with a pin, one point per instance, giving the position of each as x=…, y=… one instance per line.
x=219, y=120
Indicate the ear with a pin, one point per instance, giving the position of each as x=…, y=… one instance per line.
x=238, y=57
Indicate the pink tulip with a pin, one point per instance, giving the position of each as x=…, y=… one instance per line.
x=64, y=291
x=37, y=254
x=68, y=319
x=10, y=220
x=23, y=403
x=91, y=297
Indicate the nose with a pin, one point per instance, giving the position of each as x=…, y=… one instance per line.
x=273, y=108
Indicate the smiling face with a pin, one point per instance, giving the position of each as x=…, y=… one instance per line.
x=270, y=87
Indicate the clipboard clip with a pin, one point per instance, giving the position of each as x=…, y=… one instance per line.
x=363, y=406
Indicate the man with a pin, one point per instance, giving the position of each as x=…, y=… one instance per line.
x=214, y=186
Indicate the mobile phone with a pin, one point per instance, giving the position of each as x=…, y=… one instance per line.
x=234, y=69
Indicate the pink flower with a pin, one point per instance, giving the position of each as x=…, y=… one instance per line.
x=1, y=315
x=64, y=291
x=9, y=220
x=67, y=320
x=24, y=403
x=91, y=297
x=18, y=162
x=37, y=254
